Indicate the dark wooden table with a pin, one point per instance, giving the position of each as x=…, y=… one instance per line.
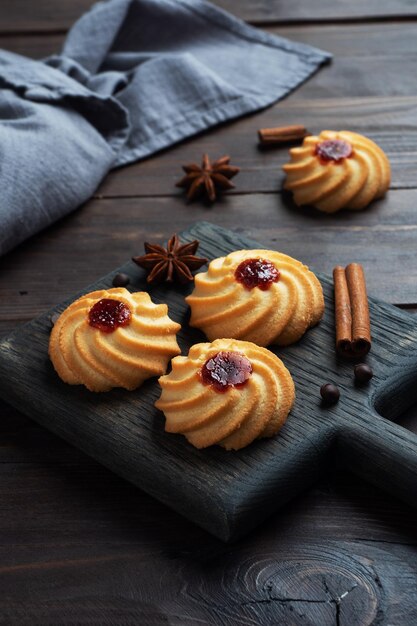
x=79, y=545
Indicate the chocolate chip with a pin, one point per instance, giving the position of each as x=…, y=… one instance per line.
x=330, y=394
x=121, y=280
x=363, y=373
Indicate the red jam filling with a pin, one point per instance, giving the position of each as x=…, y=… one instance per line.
x=333, y=150
x=108, y=314
x=257, y=273
x=226, y=369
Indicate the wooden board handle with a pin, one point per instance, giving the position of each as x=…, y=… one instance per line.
x=385, y=457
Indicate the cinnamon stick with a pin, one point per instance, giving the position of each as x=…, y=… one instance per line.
x=281, y=134
x=361, y=325
x=353, y=329
x=343, y=311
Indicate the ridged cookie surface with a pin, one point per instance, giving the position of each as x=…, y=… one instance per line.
x=337, y=170
x=85, y=355
x=280, y=314
x=235, y=416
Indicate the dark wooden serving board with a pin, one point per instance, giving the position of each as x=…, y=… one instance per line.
x=228, y=493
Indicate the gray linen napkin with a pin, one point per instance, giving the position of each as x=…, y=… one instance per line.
x=134, y=76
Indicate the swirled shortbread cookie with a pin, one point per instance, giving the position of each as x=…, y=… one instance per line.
x=113, y=338
x=337, y=170
x=261, y=296
x=227, y=392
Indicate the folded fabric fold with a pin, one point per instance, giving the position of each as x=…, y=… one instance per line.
x=57, y=140
x=134, y=76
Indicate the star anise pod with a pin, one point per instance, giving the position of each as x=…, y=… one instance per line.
x=209, y=178
x=175, y=262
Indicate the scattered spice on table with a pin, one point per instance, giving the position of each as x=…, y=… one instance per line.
x=120, y=280
x=330, y=394
x=208, y=179
x=363, y=373
x=353, y=328
x=282, y=135
x=170, y=264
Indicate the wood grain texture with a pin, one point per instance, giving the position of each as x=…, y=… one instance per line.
x=273, y=582
x=73, y=535
x=362, y=40
x=82, y=502
x=270, y=11
x=81, y=247
x=19, y=16
x=34, y=46
x=225, y=493
x=53, y=15
x=88, y=547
